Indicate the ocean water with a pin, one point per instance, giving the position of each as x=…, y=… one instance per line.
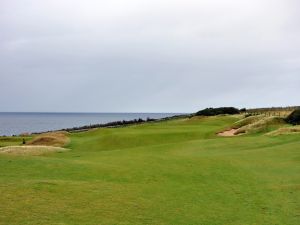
x=18, y=123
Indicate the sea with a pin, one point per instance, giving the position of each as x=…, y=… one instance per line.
x=15, y=123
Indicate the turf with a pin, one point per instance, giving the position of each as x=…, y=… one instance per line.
x=173, y=172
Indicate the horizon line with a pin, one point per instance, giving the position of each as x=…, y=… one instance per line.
x=86, y=112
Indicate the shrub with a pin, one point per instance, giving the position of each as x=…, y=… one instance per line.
x=243, y=110
x=294, y=117
x=217, y=111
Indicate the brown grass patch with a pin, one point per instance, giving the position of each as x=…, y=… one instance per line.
x=57, y=139
x=30, y=150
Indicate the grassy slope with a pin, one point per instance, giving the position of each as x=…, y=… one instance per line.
x=175, y=172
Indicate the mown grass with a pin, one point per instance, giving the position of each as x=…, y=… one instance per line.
x=174, y=172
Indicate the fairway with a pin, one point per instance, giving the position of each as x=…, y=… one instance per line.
x=176, y=172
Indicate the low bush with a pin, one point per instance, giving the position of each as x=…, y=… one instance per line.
x=218, y=111
x=294, y=117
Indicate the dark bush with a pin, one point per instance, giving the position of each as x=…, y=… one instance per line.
x=294, y=117
x=218, y=111
x=243, y=110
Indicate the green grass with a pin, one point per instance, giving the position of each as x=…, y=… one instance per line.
x=8, y=141
x=174, y=172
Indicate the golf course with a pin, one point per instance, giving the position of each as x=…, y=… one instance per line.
x=174, y=172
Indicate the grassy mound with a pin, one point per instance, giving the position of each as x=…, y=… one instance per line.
x=30, y=150
x=264, y=124
x=57, y=139
x=248, y=120
x=285, y=130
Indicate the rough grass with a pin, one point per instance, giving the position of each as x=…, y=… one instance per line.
x=30, y=150
x=175, y=172
x=246, y=121
x=57, y=139
x=260, y=124
x=285, y=130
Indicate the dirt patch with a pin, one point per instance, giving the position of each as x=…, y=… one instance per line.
x=57, y=139
x=228, y=133
x=30, y=150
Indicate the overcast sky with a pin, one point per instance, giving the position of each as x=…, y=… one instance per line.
x=148, y=55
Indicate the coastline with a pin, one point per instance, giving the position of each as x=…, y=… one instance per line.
x=112, y=124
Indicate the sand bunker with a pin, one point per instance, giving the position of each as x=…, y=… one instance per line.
x=227, y=133
x=30, y=150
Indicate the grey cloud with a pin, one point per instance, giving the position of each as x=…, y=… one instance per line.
x=149, y=56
